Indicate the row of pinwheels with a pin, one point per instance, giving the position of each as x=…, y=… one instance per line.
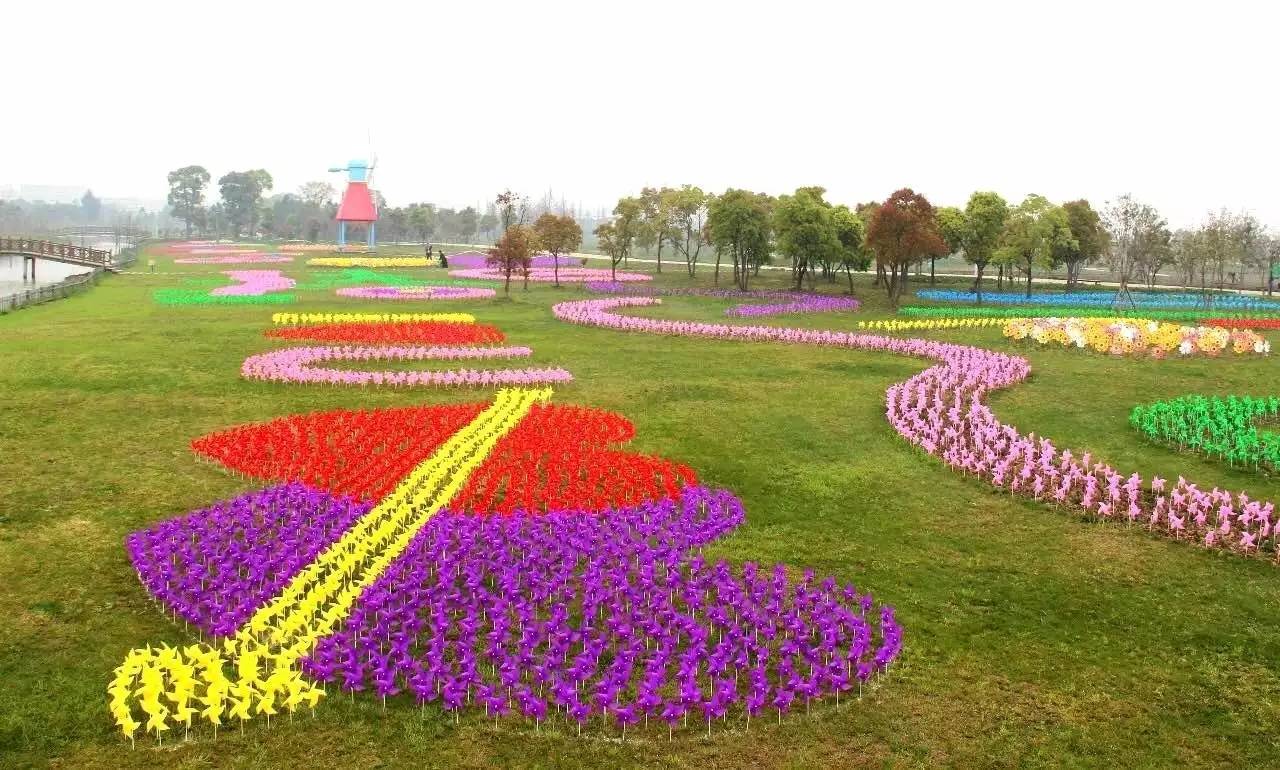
x=435, y=340
x=197, y=297
x=791, y=301
x=373, y=262
x=547, y=274
x=1123, y=336
x=1206, y=316
x=1102, y=299
x=941, y=410
x=1266, y=324
x=1223, y=427
x=477, y=259
x=239, y=258
x=290, y=319
x=930, y=324
x=302, y=607
x=393, y=332
x=416, y=292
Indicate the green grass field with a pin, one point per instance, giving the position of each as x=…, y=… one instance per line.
x=1032, y=637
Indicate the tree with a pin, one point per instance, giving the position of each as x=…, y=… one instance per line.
x=1270, y=246
x=467, y=222
x=186, y=194
x=558, y=235
x=488, y=223
x=952, y=226
x=90, y=206
x=851, y=232
x=513, y=251
x=241, y=193
x=805, y=230
x=421, y=220
x=614, y=242
x=627, y=223
x=984, y=214
x=903, y=230
x=739, y=222
x=1134, y=229
x=1035, y=233
x=317, y=194
x=511, y=208
x=687, y=208
x=656, y=227
x=397, y=221
x=1091, y=239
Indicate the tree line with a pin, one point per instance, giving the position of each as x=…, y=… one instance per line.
x=817, y=238
x=739, y=231
x=244, y=209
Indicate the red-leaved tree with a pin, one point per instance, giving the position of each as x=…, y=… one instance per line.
x=903, y=230
x=513, y=253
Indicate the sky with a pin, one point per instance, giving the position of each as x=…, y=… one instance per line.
x=1173, y=102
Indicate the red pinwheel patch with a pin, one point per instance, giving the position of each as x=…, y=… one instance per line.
x=558, y=457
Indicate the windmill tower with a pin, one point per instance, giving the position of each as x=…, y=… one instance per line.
x=357, y=202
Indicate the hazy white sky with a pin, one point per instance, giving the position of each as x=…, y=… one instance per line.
x=1174, y=102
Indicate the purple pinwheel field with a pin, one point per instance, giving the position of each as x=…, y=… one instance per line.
x=724, y=527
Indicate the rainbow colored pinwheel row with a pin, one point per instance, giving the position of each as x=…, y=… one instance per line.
x=344, y=318
x=294, y=365
x=922, y=311
x=1102, y=299
x=941, y=410
x=1220, y=427
x=546, y=275
x=416, y=292
x=252, y=283
x=1124, y=336
x=240, y=258
x=317, y=598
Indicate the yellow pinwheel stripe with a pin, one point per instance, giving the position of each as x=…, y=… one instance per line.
x=932, y=323
x=165, y=681
x=290, y=319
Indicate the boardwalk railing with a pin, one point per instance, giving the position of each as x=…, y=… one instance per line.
x=73, y=285
x=60, y=252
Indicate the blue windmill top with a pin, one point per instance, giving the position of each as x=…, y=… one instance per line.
x=357, y=170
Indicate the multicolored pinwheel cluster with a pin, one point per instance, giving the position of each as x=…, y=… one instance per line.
x=941, y=410
x=1124, y=336
x=507, y=556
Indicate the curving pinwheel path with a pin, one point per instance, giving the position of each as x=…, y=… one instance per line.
x=942, y=411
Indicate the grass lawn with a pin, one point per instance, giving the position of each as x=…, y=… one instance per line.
x=1031, y=636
